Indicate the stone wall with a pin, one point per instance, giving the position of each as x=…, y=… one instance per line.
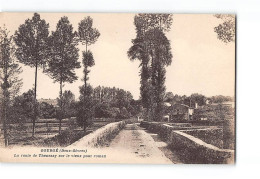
x=100, y=136
x=189, y=148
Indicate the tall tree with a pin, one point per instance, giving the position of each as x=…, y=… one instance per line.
x=160, y=52
x=149, y=43
x=63, y=57
x=9, y=71
x=87, y=35
x=88, y=61
x=32, y=49
x=138, y=51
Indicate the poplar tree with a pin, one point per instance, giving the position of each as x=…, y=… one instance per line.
x=9, y=79
x=152, y=48
x=87, y=35
x=63, y=58
x=32, y=49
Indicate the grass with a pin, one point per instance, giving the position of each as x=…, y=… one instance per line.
x=47, y=132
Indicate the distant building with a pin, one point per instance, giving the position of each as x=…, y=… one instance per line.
x=53, y=102
x=180, y=112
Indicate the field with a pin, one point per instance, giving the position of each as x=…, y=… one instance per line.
x=47, y=132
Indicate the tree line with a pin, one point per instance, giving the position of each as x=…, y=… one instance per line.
x=56, y=53
x=200, y=99
x=103, y=102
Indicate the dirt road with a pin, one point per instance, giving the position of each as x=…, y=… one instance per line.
x=138, y=146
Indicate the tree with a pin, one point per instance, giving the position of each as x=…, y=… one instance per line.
x=112, y=102
x=88, y=61
x=87, y=35
x=198, y=98
x=152, y=48
x=22, y=108
x=9, y=71
x=220, y=99
x=47, y=110
x=138, y=51
x=86, y=107
x=63, y=58
x=195, y=98
x=169, y=97
x=227, y=30
x=160, y=52
x=32, y=50
x=68, y=100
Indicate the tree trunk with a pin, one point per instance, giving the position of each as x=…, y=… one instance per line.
x=5, y=92
x=5, y=118
x=61, y=107
x=84, y=127
x=84, y=97
x=35, y=101
x=60, y=125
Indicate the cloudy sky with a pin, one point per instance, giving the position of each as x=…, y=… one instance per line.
x=201, y=63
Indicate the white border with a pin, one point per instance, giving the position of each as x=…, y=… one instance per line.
x=248, y=67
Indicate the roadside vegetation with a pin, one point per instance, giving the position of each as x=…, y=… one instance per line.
x=27, y=120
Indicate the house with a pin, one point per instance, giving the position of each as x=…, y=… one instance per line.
x=180, y=112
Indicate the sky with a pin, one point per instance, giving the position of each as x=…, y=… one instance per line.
x=201, y=63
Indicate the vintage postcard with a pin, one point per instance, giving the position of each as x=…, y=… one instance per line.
x=117, y=88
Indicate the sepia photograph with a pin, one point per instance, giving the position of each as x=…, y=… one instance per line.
x=124, y=88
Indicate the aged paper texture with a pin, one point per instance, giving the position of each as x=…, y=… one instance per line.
x=117, y=88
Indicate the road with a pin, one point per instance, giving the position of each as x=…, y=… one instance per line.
x=138, y=146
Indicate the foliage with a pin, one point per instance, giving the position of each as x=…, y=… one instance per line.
x=124, y=114
x=85, y=107
x=104, y=110
x=31, y=39
x=152, y=48
x=226, y=31
x=195, y=98
x=63, y=57
x=86, y=33
x=115, y=96
x=220, y=99
x=214, y=112
x=63, y=54
x=88, y=59
x=9, y=80
x=9, y=68
x=22, y=108
x=47, y=111
x=68, y=103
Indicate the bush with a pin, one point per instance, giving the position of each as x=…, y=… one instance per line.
x=64, y=139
